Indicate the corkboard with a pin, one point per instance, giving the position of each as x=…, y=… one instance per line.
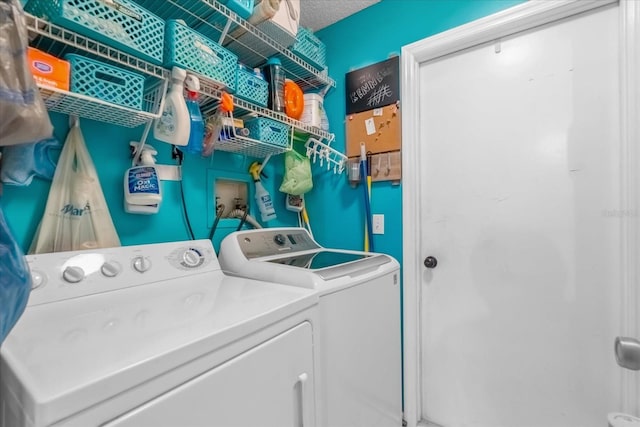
x=379, y=129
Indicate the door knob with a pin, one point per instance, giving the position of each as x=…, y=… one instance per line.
x=430, y=262
x=628, y=353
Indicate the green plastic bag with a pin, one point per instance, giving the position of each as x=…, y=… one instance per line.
x=297, y=174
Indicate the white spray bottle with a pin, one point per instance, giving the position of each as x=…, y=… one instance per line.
x=142, y=189
x=174, y=125
x=262, y=196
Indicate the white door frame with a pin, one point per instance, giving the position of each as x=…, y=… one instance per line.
x=516, y=19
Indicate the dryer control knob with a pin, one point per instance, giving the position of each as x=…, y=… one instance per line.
x=191, y=258
x=110, y=269
x=141, y=264
x=73, y=274
x=37, y=279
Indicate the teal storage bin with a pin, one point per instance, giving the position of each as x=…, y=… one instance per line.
x=187, y=49
x=268, y=131
x=310, y=48
x=244, y=8
x=105, y=82
x=251, y=88
x=121, y=24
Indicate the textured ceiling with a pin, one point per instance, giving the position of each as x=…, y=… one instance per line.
x=317, y=14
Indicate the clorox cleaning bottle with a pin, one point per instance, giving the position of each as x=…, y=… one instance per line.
x=174, y=124
x=262, y=196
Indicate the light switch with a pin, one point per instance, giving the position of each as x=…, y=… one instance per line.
x=378, y=224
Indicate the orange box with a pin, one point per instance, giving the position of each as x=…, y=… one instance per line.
x=49, y=70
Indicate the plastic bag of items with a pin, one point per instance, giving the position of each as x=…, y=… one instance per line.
x=297, y=174
x=15, y=279
x=24, y=115
x=76, y=215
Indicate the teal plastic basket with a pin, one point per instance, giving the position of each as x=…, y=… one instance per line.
x=121, y=24
x=187, y=49
x=244, y=8
x=268, y=131
x=105, y=82
x=251, y=87
x=310, y=48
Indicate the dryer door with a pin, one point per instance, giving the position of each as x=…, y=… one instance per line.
x=269, y=385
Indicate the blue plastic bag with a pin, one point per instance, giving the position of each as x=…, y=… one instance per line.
x=15, y=280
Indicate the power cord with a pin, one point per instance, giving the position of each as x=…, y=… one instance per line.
x=176, y=153
x=219, y=210
x=244, y=218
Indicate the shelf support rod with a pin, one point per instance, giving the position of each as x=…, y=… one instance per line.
x=223, y=35
x=264, y=163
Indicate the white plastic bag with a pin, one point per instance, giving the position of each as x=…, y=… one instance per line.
x=76, y=215
x=23, y=114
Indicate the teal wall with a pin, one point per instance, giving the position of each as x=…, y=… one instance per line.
x=109, y=148
x=335, y=209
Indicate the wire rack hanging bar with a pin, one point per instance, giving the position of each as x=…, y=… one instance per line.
x=325, y=156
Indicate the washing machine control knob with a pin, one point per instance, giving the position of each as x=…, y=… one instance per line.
x=73, y=274
x=110, y=269
x=191, y=258
x=279, y=239
x=37, y=279
x=141, y=264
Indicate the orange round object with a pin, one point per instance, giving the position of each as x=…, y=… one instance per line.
x=226, y=102
x=293, y=99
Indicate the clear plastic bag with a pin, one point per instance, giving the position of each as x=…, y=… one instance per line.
x=297, y=174
x=15, y=279
x=24, y=115
x=76, y=215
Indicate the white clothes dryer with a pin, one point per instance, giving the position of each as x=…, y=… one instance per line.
x=157, y=335
x=359, y=379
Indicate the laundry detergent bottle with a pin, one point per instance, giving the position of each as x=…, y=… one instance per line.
x=142, y=189
x=196, y=130
x=262, y=196
x=173, y=126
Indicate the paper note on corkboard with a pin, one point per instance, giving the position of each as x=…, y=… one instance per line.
x=379, y=129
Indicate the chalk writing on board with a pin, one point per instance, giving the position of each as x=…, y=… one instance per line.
x=379, y=95
x=374, y=86
x=368, y=83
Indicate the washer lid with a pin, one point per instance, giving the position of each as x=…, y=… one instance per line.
x=331, y=264
x=65, y=356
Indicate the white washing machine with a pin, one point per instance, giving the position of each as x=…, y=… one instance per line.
x=157, y=335
x=359, y=378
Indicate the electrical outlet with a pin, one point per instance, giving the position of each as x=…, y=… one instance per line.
x=378, y=224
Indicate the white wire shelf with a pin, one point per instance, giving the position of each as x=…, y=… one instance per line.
x=231, y=142
x=59, y=41
x=210, y=94
x=65, y=102
x=252, y=45
x=248, y=147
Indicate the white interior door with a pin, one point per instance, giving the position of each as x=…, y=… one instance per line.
x=520, y=206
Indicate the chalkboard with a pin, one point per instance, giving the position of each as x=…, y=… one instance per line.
x=374, y=86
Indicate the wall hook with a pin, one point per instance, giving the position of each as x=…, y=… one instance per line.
x=376, y=171
x=388, y=171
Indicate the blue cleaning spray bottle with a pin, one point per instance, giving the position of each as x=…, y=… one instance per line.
x=196, y=130
x=142, y=189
